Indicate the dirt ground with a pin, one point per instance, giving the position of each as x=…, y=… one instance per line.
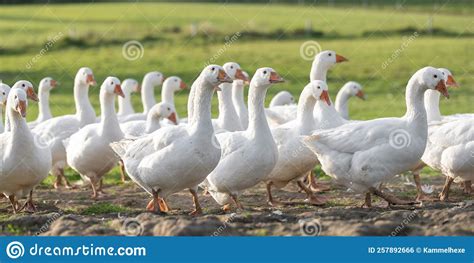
x=121, y=211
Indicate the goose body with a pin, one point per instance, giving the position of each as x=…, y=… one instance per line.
x=247, y=156
x=88, y=150
x=45, y=86
x=364, y=154
x=24, y=163
x=174, y=158
x=52, y=132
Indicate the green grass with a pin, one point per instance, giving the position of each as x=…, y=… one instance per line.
x=93, y=35
x=103, y=208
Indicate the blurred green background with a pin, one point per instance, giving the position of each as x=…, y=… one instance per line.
x=40, y=40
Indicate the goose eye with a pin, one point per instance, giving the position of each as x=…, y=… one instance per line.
x=175, y=80
x=112, y=83
x=319, y=87
x=435, y=76
x=329, y=54
x=264, y=72
x=169, y=109
x=4, y=93
x=213, y=69
x=232, y=67
x=23, y=85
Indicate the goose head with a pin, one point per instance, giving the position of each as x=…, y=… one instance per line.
x=264, y=77
x=234, y=71
x=18, y=101
x=129, y=86
x=27, y=87
x=85, y=76
x=328, y=58
x=319, y=89
x=164, y=110
x=48, y=83
x=448, y=77
x=174, y=83
x=354, y=89
x=112, y=85
x=4, y=90
x=431, y=78
x=154, y=78
x=215, y=75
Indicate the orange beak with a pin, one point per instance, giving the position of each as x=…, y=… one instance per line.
x=340, y=58
x=172, y=118
x=21, y=108
x=53, y=83
x=223, y=77
x=275, y=78
x=240, y=75
x=31, y=94
x=118, y=90
x=450, y=82
x=360, y=94
x=90, y=80
x=441, y=87
x=325, y=97
x=182, y=85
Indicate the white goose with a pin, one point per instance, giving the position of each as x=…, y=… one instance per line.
x=172, y=85
x=282, y=109
x=150, y=81
x=449, y=149
x=4, y=90
x=434, y=116
x=88, y=150
x=177, y=157
x=45, y=86
x=125, y=106
x=349, y=90
x=282, y=98
x=364, y=154
x=247, y=156
x=294, y=159
x=228, y=120
x=30, y=93
x=239, y=101
x=24, y=163
x=52, y=132
x=133, y=129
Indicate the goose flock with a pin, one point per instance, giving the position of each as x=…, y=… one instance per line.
x=247, y=144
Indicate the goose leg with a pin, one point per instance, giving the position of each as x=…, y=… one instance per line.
x=100, y=189
x=271, y=201
x=236, y=201
x=314, y=185
x=420, y=196
x=122, y=171
x=197, y=206
x=312, y=198
x=154, y=204
x=467, y=187
x=444, y=195
x=391, y=199
x=163, y=205
x=29, y=205
x=13, y=203
x=368, y=200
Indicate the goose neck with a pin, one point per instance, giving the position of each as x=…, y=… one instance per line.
x=125, y=105
x=152, y=123
x=84, y=109
x=414, y=96
x=238, y=93
x=226, y=107
x=201, y=119
x=108, y=119
x=431, y=99
x=258, y=125
x=21, y=135
x=342, y=103
x=318, y=71
x=304, y=114
x=167, y=94
x=148, y=95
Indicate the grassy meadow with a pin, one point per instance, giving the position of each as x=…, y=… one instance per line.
x=179, y=38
